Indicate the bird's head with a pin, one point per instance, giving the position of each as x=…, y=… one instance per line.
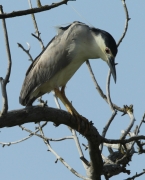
x=107, y=49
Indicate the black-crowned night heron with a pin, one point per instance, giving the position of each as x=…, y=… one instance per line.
x=62, y=57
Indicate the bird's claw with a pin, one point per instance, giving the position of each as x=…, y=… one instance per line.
x=81, y=119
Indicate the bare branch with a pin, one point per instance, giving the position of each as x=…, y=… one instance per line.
x=66, y=165
x=26, y=51
x=99, y=89
x=137, y=175
x=39, y=3
x=34, y=10
x=129, y=110
x=35, y=24
x=61, y=139
x=32, y=133
x=23, y=139
x=56, y=100
x=107, y=127
x=126, y=22
x=46, y=141
x=4, y=97
x=84, y=161
x=95, y=81
x=123, y=141
x=57, y=156
x=142, y=121
x=15, y=142
x=6, y=80
x=108, y=124
x=108, y=91
x=36, y=114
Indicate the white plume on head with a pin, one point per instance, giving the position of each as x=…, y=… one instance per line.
x=58, y=28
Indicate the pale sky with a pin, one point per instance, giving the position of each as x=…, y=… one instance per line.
x=30, y=159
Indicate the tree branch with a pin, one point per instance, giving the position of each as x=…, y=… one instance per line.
x=6, y=80
x=37, y=114
x=108, y=92
x=137, y=175
x=126, y=22
x=34, y=10
x=99, y=89
x=123, y=141
x=26, y=51
x=35, y=25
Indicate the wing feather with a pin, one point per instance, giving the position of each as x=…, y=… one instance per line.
x=50, y=61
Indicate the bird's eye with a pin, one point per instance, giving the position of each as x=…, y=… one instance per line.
x=107, y=51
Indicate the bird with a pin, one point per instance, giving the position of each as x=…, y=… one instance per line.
x=62, y=57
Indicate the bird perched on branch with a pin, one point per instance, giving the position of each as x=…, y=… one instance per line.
x=62, y=57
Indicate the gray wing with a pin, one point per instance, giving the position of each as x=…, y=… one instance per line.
x=54, y=58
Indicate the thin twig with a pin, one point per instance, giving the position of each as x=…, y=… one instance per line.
x=99, y=89
x=132, y=120
x=142, y=121
x=84, y=161
x=32, y=133
x=137, y=175
x=26, y=51
x=61, y=139
x=108, y=123
x=34, y=10
x=58, y=157
x=109, y=101
x=6, y=79
x=95, y=81
x=15, y=142
x=85, y=164
x=137, y=130
x=108, y=92
x=122, y=141
x=129, y=111
x=56, y=100
x=48, y=139
x=39, y=3
x=107, y=127
x=35, y=25
x=23, y=139
x=66, y=165
x=126, y=22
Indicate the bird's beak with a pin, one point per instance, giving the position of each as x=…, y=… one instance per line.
x=111, y=64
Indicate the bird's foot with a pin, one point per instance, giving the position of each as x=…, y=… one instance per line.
x=81, y=119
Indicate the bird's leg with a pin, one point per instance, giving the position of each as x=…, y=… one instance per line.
x=61, y=95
